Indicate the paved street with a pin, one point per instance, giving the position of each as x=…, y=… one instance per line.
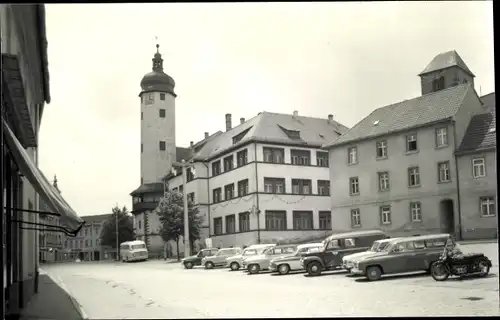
x=156, y=289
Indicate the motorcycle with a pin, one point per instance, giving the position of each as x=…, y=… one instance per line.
x=460, y=265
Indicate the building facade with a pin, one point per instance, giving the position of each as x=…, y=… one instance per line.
x=50, y=241
x=86, y=245
x=25, y=90
x=397, y=169
x=263, y=181
x=477, y=176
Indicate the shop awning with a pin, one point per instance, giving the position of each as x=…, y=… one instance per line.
x=69, y=220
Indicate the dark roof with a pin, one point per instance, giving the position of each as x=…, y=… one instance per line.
x=489, y=101
x=155, y=187
x=426, y=109
x=96, y=218
x=446, y=60
x=480, y=134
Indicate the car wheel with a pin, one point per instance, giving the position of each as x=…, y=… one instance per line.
x=314, y=269
x=484, y=266
x=209, y=265
x=254, y=268
x=283, y=269
x=188, y=265
x=373, y=273
x=235, y=266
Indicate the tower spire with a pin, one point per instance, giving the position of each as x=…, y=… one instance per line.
x=157, y=60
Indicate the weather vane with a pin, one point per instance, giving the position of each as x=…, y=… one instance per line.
x=157, y=45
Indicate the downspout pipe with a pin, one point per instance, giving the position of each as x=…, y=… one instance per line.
x=460, y=236
x=208, y=198
x=257, y=204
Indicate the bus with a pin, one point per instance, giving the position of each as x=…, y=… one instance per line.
x=133, y=251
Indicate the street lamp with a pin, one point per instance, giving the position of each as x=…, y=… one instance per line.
x=117, y=236
x=184, y=165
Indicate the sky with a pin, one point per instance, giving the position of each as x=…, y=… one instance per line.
x=345, y=59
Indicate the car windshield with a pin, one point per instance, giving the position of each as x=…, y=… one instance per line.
x=382, y=246
x=375, y=246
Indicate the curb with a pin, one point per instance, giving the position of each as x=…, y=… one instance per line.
x=75, y=303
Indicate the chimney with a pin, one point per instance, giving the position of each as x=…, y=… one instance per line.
x=228, y=122
x=242, y=120
x=330, y=118
x=295, y=114
x=191, y=144
x=206, y=135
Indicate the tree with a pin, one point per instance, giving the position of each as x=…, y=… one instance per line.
x=125, y=228
x=170, y=211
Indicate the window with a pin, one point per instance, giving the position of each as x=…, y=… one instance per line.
x=163, y=146
x=487, y=206
x=349, y=242
x=438, y=84
x=189, y=174
x=242, y=188
x=383, y=181
x=228, y=163
x=324, y=187
x=300, y=157
x=416, y=211
x=325, y=220
x=244, y=221
x=302, y=220
x=162, y=113
x=413, y=177
x=352, y=155
x=150, y=98
x=274, y=155
x=218, y=226
x=191, y=197
x=441, y=137
x=181, y=189
x=242, y=157
x=321, y=159
x=444, y=171
x=276, y=220
x=237, y=138
x=353, y=185
x=142, y=115
x=385, y=215
x=382, y=149
x=162, y=96
x=274, y=185
x=411, y=142
x=139, y=224
x=301, y=186
x=229, y=191
x=216, y=168
x=355, y=218
x=478, y=168
x=231, y=223
x=217, y=195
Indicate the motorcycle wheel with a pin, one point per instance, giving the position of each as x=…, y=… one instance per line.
x=439, y=271
x=484, y=266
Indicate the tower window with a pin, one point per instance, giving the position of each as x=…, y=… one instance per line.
x=438, y=84
x=162, y=113
x=162, y=146
x=142, y=147
x=162, y=96
x=142, y=115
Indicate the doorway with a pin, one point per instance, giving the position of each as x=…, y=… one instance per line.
x=447, y=217
x=97, y=256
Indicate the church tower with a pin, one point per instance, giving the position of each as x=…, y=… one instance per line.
x=157, y=122
x=445, y=70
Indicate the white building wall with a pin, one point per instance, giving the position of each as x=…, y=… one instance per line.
x=154, y=129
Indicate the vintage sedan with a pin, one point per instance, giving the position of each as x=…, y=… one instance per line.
x=195, y=260
x=261, y=262
x=219, y=259
x=235, y=262
x=284, y=264
x=377, y=246
x=403, y=255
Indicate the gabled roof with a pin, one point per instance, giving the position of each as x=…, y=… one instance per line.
x=480, y=134
x=95, y=218
x=426, y=109
x=155, y=187
x=488, y=101
x=446, y=60
x=267, y=127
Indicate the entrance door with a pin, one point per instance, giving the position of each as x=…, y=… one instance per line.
x=97, y=256
x=447, y=217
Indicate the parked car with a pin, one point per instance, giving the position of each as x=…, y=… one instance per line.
x=219, y=259
x=262, y=261
x=403, y=255
x=235, y=262
x=195, y=260
x=378, y=245
x=336, y=247
x=284, y=264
